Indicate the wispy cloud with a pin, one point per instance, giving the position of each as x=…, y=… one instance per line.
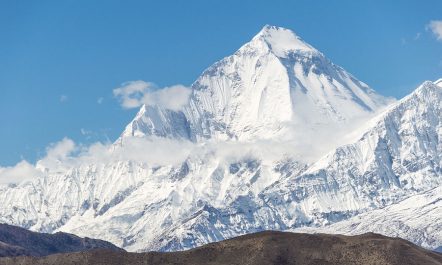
x=133, y=94
x=403, y=41
x=407, y=40
x=436, y=28
x=85, y=132
x=63, y=98
x=100, y=100
x=417, y=36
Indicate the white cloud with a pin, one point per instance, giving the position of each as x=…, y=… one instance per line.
x=100, y=100
x=57, y=155
x=20, y=172
x=133, y=94
x=154, y=151
x=60, y=149
x=436, y=27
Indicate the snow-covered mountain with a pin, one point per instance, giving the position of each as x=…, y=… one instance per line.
x=275, y=93
x=412, y=136
x=274, y=86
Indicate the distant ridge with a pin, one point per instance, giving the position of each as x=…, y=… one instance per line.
x=264, y=248
x=16, y=241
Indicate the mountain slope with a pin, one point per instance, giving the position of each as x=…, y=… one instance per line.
x=266, y=248
x=415, y=219
x=397, y=156
x=16, y=241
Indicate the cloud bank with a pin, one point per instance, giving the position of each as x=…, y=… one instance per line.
x=22, y=171
x=153, y=151
x=133, y=94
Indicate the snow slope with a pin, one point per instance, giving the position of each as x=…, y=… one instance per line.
x=275, y=94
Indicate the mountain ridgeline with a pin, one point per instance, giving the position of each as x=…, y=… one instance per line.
x=16, y=241
x=264, y=248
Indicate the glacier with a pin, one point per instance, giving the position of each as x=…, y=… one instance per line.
x=279, y=138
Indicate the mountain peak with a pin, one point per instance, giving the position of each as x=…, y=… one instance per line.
x=271, y=84
x=429, y=87
x=282, y=41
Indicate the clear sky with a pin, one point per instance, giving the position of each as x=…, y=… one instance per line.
x=60, y=60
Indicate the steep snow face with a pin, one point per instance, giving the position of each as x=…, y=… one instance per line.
x=156, y=121
x=402, y=138
x=274, y=86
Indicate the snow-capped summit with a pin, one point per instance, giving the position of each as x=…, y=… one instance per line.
x=274, y=86
x=282, y=41
x=428, y=89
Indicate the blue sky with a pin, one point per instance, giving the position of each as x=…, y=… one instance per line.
x=60, y=60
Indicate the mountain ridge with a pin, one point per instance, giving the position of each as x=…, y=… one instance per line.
x=269, y=247
x=16, y=241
